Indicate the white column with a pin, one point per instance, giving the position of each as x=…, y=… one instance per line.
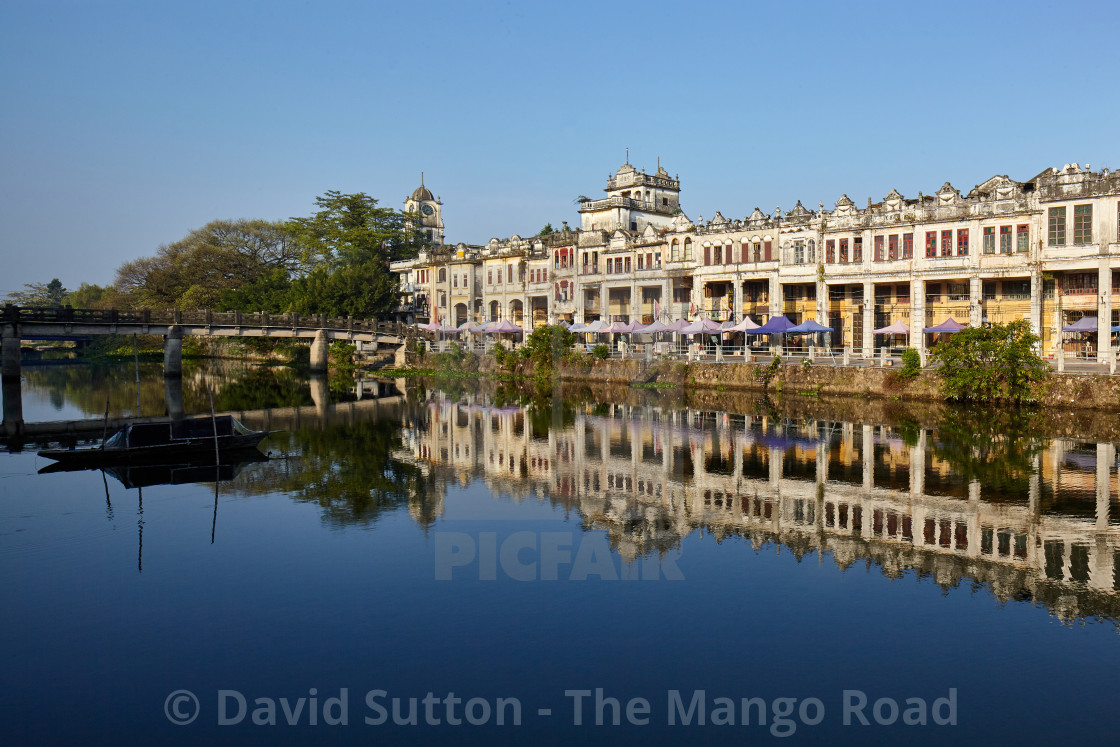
x=868, y=318
x=1104, y=311
x=974, y=310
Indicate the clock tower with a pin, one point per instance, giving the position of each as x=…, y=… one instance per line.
x=428, y=210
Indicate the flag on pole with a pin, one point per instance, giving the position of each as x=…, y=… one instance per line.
x=656, y=309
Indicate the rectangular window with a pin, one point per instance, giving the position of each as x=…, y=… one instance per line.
x=649, y=260
x=947, y=243
x=1056, y=226
x=1022, y=238
x=902, y=294
x=857, y=249
x=455, y=280
x=1083, y=224
x=687, y=249
x=746, y=253
x=727, y=258
x=718, y=254
x=830, y=251
x=657, y=260
x=1005, y=239
x=878, y=248
x=641, y=262
x=989, y=240
x=843, y=251
x=892, y=246
x=767, y=251
x=962, y=242
x=627, y=260
x=907, y=246
x=931, y=243
x=489, y=277
x=707, y=255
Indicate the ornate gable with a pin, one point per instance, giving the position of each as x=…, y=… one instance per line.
x=948, y=194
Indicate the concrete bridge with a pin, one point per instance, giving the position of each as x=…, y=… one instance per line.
x=62, y=323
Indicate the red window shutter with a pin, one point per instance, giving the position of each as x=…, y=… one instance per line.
x=744, y=255
x=707, y=255
x=767, y=248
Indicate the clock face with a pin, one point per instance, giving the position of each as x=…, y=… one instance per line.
x=427, y=210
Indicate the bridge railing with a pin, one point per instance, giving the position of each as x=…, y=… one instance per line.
x=291, y=320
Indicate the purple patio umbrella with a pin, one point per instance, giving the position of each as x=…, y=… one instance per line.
x=948, y=326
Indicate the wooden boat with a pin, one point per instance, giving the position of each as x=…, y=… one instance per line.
x=187, y=438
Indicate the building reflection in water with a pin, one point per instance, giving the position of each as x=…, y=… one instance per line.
x=1040, y=528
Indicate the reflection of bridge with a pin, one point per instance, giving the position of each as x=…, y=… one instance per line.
x=18, y=323
x=373, y=396
x=651, y=477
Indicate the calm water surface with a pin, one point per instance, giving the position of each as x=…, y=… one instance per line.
x=517, y=553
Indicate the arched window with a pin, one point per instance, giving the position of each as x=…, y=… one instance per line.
x=442, y=275
x=676, y=252
x=687, y=250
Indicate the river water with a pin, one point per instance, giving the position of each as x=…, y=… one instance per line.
x=491, y=566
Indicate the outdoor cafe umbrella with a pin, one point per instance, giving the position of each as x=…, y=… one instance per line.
x=809, y=326
x=1084, y=324
x=595, y=327
x=775, y=325
x=896, y=328
x=430, y=327
x=578, y=327
x=948, y=326
x=655, y=326
x=503, y=327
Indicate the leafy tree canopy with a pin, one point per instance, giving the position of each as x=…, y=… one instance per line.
x=350, y=230
x=195, y=271
x=996, y=364
x=39, y=294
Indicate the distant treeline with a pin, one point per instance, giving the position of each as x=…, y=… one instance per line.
x=334, y=262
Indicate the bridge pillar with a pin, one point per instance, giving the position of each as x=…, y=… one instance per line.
x=320, y=347
x=173, y=351
x=9, y=355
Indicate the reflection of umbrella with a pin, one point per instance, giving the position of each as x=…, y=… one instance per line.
x=897, y=328
x=449, y=329
x=430, y=327
x=477, y=328
x=1084, y=324
x=948, y=325
x=809, y=326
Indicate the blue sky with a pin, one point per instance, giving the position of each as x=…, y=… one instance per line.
x=127, y=124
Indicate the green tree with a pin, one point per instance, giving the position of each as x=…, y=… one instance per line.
x=196, y=271
x=546, y=345
x=547, y=230
x=39, y=294
x=996, y=364
x=92, y=296
x=348, y=245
